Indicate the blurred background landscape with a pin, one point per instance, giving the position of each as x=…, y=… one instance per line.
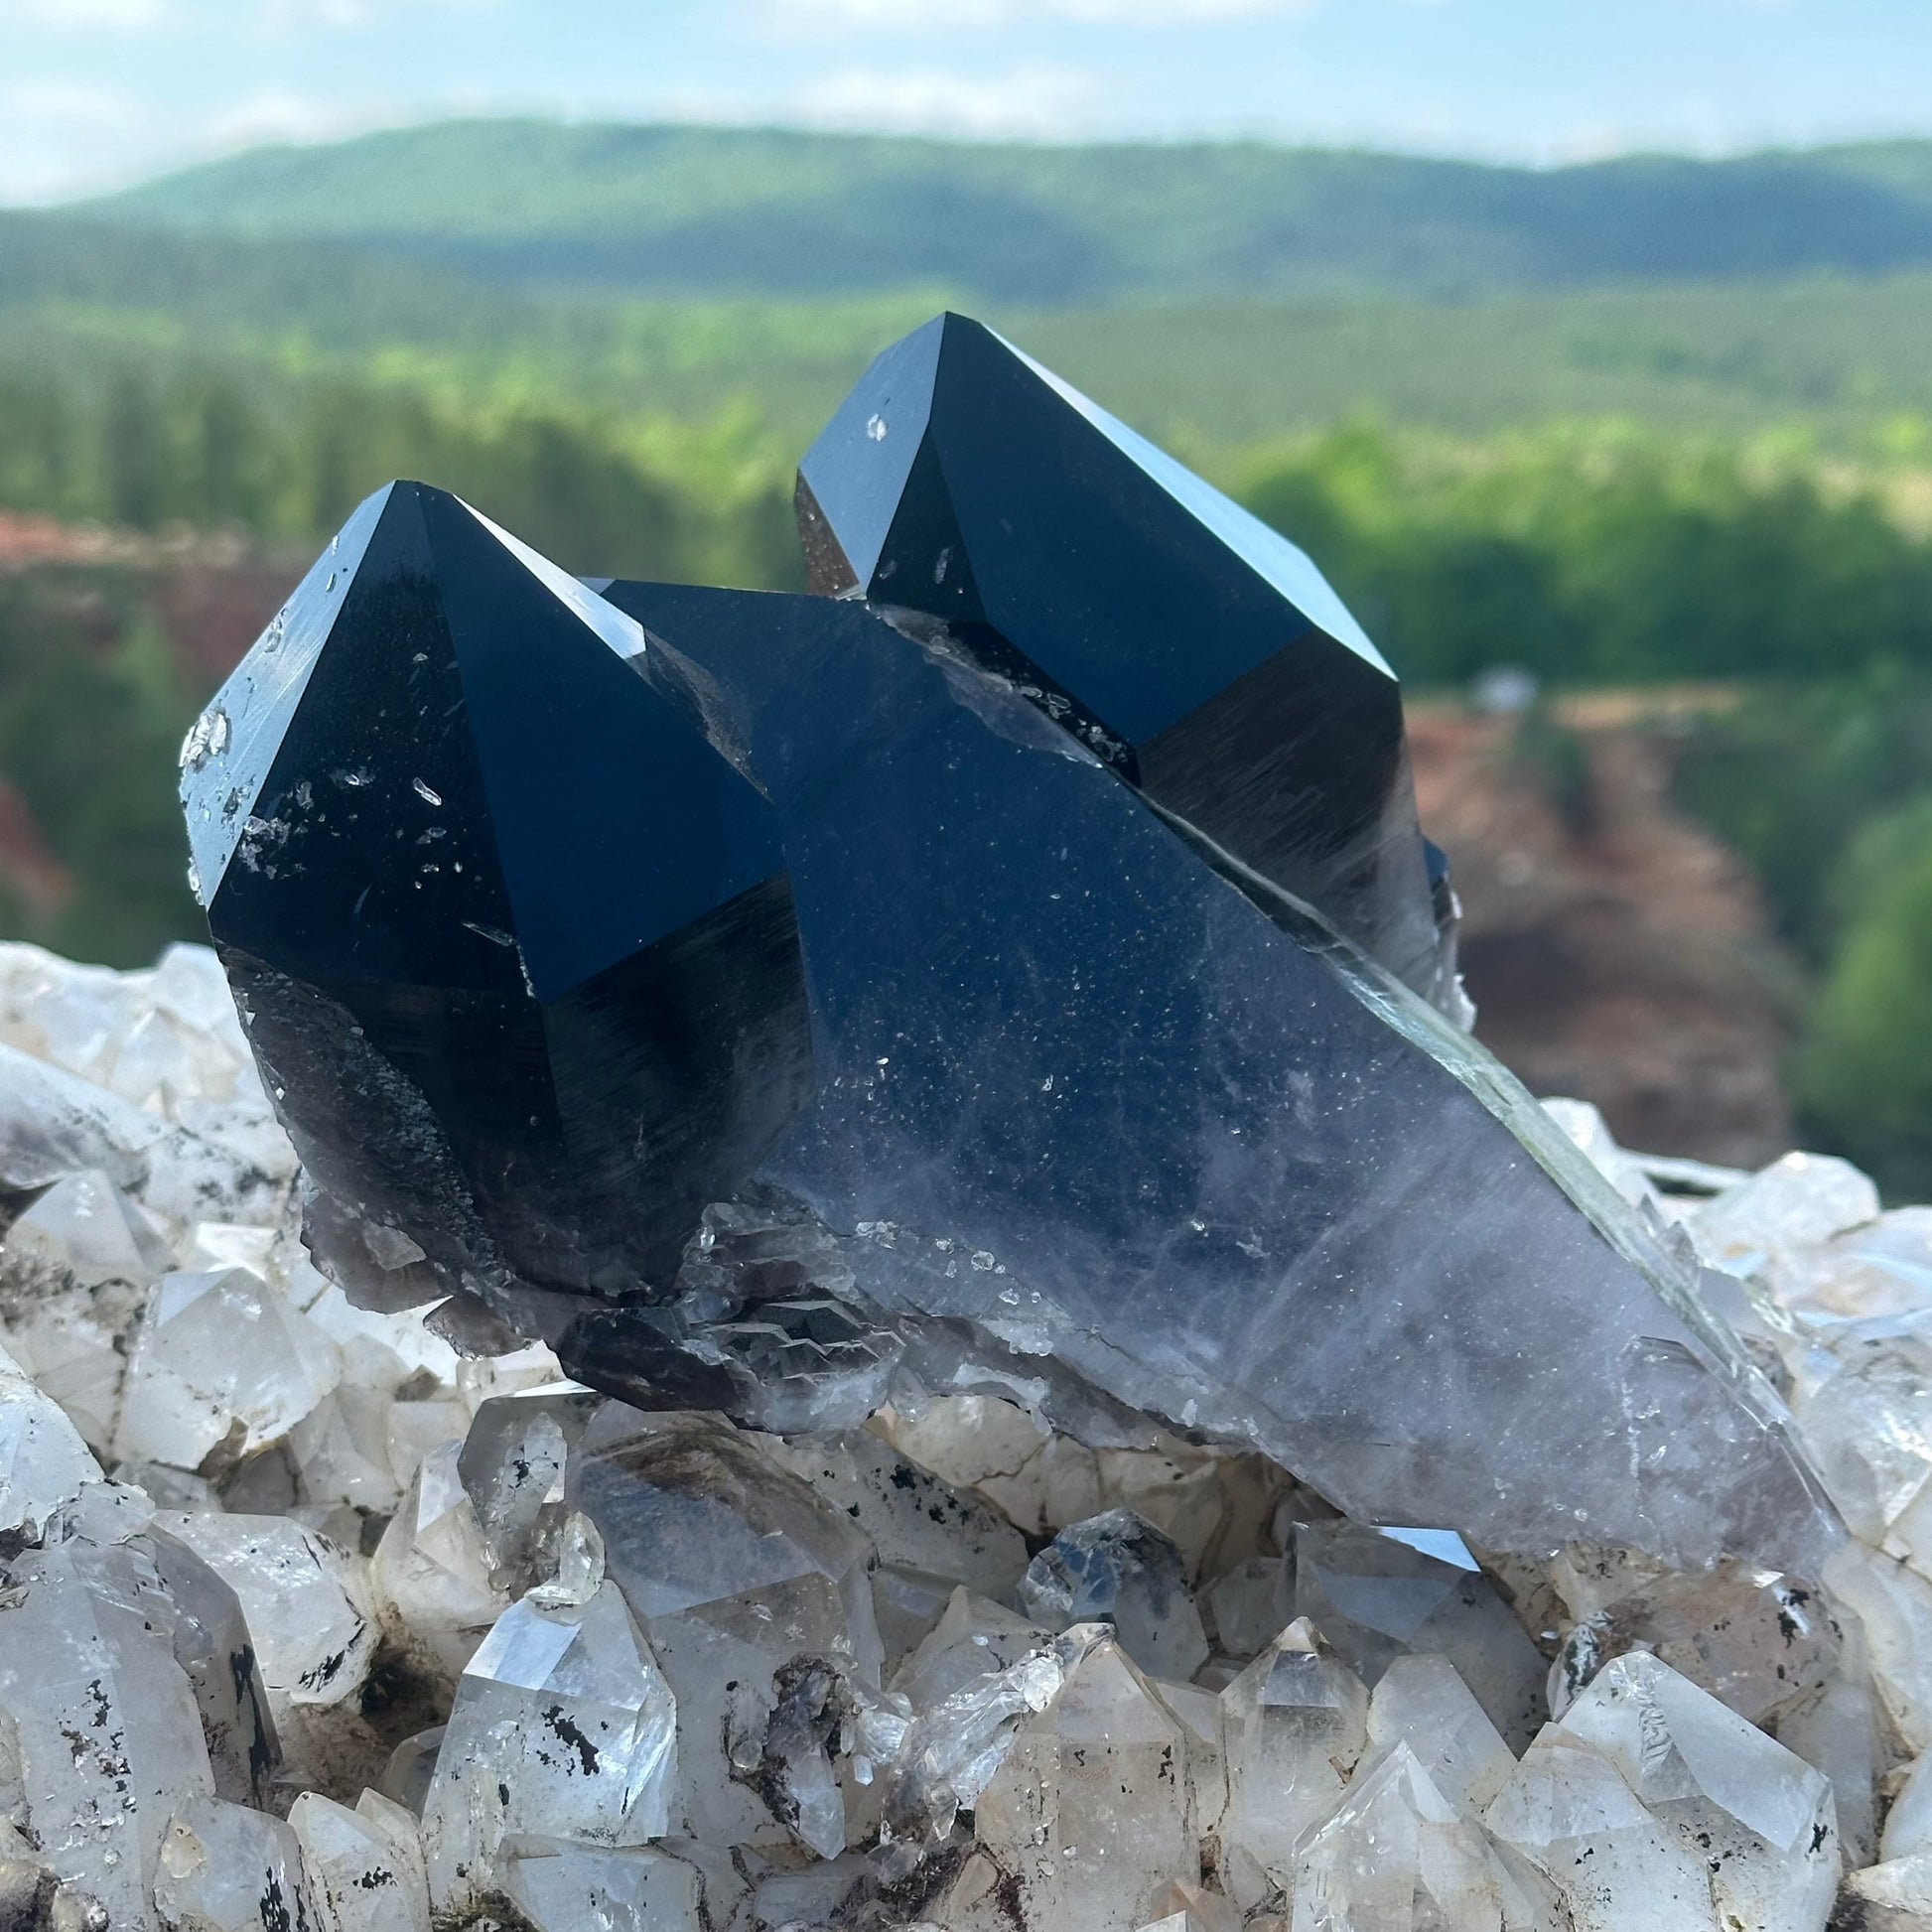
x=1626, y=465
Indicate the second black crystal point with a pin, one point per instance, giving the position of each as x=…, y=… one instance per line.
x=511, y=933
x=1194, y=648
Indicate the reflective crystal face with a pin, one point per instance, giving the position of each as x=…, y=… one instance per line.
x=1762, y=1819
x=563, y=1728
x=496, y=906
x=1295, y=1723
x=1192, y=648
x=1197, y=1247
x=755, y=1595
x=688, y=975
x=1376, y=1599
x=1120, y=1569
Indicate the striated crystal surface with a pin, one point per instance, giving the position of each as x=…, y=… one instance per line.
x=962, y=483
x=1053, y=1006
x=1121, y=1570
x=564, y=1728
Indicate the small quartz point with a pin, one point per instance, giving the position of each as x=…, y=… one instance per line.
x=90, y=1232
x=1421, y=1705
x=1893, y=1604
x=1120, y=1568
x=1570, y=1814
x=563, y=1727
x=227, y=1868
x=222, y=1368
x=741, y=1576
x=1081, y=1855
x=43, y=1461
x=1761, y=1817
x=1192, y=1908
x=366, y=1866
x=1793, y=1205
x=1375, y=1598
x=1400, y=1856
x=432, y=1570
x=312, y=1613
x=1840, y=1728
x=1296, y=1724
x=512, y=1463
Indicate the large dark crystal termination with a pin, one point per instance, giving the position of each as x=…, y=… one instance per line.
x=1183, y=642
x=822, y=922
x=511, y=933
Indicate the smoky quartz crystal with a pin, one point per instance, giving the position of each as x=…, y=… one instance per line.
x=1021, y=971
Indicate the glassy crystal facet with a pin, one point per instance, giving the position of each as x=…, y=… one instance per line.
x=1192, y=648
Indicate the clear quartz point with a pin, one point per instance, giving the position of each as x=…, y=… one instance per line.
x=564, y=1728
x=1056, y=1816
x=1120, y=1568
x=1760, y=1819
x=366, y=1866
x=1296, y=1724
x=1400, y=1856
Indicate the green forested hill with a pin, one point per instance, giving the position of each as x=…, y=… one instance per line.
x=718, y=210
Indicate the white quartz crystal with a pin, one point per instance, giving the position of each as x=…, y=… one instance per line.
x=1295, y=1723
x=563, y=1728
x=307, y=1602
x=1399, y=1855
x=98, y=1717
x=366, y=1866
x=222, y=1367
x=225, y=1869
x=1762, y=1818
x=432, y=1573
x=43, y=1461
x=1050, y=1815
x=1420, y=1706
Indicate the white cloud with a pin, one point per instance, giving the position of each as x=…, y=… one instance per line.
x=1040, y=102
x=948, y=15
x=84, y=16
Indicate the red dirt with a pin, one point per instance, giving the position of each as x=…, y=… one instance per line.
x=1620, y=954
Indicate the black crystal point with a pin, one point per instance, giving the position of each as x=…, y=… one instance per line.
x=1184, y=642
x=1079, y=1092
x=511, y=933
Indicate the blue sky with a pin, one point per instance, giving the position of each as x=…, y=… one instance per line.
x=98, y=92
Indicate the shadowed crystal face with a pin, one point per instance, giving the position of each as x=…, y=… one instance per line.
x=1195, y=651
x=511, y=933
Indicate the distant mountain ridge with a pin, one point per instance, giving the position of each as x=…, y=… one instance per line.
x=698, y=210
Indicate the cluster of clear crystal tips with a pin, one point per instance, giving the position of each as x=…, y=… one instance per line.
x=1020, y=970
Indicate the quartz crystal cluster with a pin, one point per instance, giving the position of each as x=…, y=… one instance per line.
x=312, y=1618
x=842, y=1267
